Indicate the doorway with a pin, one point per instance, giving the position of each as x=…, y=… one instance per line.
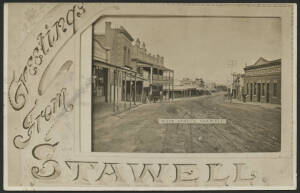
x=258, y=92
x=251, y=91
x=268, y=93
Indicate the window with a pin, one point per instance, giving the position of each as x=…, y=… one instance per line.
x=125, y=56
x=247, y=88
x=128, y=57
x=254, y=89
x=275, y=89
x=263, y=89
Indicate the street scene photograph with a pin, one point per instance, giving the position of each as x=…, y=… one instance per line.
x=186, y=85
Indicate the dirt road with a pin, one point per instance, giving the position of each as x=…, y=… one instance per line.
x=249, y=128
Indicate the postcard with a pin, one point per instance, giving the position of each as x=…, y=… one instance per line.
x=150, y=96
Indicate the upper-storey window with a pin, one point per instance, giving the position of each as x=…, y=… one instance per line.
x=128, y=57
x=125, y=56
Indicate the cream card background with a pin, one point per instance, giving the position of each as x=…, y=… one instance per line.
x=52, y=156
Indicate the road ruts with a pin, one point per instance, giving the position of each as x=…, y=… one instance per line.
x=249, y=128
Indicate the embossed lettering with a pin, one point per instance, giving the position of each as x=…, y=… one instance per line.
x=147, y=169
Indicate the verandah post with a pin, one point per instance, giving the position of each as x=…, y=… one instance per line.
x=135, y=88
x=173, y=86
x=169, y=86
x=117, y=98
x=114, y=105
x=130, y=90
x=125, y=97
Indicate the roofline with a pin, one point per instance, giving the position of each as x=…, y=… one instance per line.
x=126, y=33
x=153, y=65
x=100, y=44
x=269, y=63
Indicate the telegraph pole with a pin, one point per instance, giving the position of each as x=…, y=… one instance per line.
x=231, y=65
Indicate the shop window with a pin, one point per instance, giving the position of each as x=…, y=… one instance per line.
x=247, y=88
x=263, y=89
x=275, y=89
x=254, y=89
x=100, y=81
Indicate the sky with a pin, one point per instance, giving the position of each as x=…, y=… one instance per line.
x=204, y=47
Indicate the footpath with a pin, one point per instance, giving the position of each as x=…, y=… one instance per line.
x=265, y=105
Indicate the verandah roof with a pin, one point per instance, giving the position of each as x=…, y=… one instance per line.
x=124, y=69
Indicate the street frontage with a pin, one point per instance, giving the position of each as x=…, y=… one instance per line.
x=249, y=127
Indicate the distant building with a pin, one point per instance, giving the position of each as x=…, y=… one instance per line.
x=221, y=88
x=263, y=81
x=188, y=87
x=211, y=86
x=200, y=82
x=179, y=89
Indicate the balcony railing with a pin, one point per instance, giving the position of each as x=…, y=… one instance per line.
x=141, y=55
x=159, y=77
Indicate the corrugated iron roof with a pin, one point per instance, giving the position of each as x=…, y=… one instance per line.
x=261, y=62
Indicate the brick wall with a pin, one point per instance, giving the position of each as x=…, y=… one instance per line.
x=263, y=81
x=116, y=41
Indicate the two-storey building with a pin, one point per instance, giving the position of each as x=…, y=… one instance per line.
x=114, y=80
x=159, y=78
x=124, y=73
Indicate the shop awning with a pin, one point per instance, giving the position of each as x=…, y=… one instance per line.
x=130, y=72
